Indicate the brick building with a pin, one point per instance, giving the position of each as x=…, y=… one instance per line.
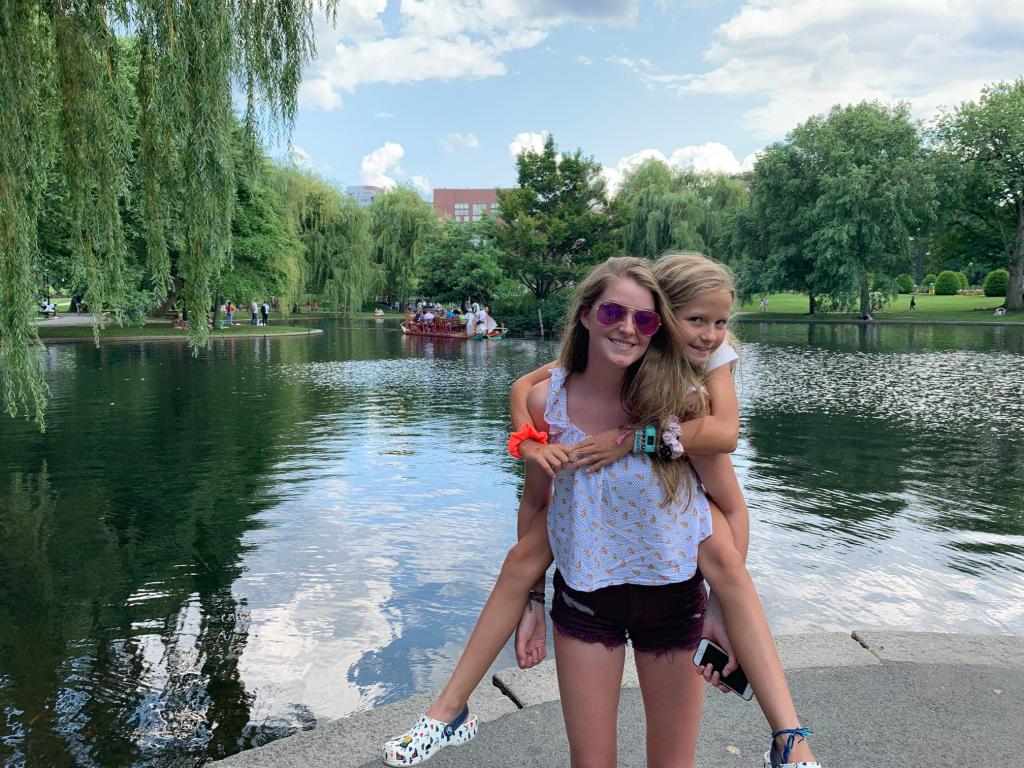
x=466, y=204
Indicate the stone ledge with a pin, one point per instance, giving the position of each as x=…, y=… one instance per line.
x=355, y=740
x=939, y=648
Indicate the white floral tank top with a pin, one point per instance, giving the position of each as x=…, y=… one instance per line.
x=615, y=526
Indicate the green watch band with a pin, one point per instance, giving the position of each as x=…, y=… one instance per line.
x=650, y=439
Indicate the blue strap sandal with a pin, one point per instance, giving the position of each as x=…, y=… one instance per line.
x=427, y=738
x=773, y=761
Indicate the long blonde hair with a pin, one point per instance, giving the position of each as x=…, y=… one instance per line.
x=656, y=386
x=685, y=275
x=682, y=276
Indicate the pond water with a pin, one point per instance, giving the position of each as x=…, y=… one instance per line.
x=203, y=554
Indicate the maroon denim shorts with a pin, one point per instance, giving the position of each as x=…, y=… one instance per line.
x=654, y=619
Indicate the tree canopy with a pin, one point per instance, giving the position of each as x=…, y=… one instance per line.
x=459, y=264
x=69, y=126
x=662, y=209
x=335, y=231
x=553, y=225
x=401, y=222
x=839, y=201
x=986, y=141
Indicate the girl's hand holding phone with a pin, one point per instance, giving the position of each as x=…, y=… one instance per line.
x=714, y=630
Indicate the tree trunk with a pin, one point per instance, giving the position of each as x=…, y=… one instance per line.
x=865, y=298
x=1015, y=288
x=812, y=303
x=922, y=249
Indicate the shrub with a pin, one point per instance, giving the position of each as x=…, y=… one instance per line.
x=905, y=283
x=947, y=283
x=964, y=282
x=519, y=315
x=928, y=283
x=996, y=282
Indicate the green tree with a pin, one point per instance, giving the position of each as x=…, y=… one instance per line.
x=335, y=232
x=458, y=263
x=553, y=225
x=772, y=235
x=841, y=199
x=401, y=222
x=661, y=209
x=62, y=113
x=266, y=255
x=657, y=213
x=987, y=139
x=905, y=283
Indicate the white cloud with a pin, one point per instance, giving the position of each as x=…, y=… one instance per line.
x=586, y=61
x=706, y=158
x=300, y=158
x=799, y=57
x=527, y=140
x=383, y=115
x=750, y=161
x=453, y=141
x=383, y=161
x=613, y=175
x=639, y=66
x=422, y=185
x=438, y=40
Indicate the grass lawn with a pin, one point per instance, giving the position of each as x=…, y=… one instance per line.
x=132, y=332
x=938, y=308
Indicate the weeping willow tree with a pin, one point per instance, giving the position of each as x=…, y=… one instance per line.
x=335, y=231
x=267, y=256
x=664, y=209
x=401, y=222
x=63, y=115
x=658, y=214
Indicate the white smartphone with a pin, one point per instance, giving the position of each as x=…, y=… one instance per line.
x=709, y=653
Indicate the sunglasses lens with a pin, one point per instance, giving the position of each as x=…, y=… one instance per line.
x=647, y=322
x=610, y=313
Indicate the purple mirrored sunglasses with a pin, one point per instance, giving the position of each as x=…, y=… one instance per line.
x=646, y=321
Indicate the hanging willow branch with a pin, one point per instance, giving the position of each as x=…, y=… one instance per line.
x=65, y=113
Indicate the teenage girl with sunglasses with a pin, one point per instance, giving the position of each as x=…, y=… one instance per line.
x=701, y=293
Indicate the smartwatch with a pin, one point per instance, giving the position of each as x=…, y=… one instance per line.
x=646, y=440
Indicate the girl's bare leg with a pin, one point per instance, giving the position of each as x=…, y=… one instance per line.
x=748, y=630
x=589, y=685
x=524, y=565
x=673, y=703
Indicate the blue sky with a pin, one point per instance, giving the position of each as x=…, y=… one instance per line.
x=441, y=93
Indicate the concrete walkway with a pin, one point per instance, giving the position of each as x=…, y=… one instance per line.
x=874, y=698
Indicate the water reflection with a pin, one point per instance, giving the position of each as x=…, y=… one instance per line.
x=203, y=554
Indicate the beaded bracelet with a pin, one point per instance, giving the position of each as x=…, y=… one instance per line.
x=536, y=596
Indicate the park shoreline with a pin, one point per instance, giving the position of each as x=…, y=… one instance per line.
x=758, y=317
x=180, y=338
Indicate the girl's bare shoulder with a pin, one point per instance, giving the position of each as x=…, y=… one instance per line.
x=536, y=402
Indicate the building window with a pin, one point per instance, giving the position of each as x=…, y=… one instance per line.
x=479, y=209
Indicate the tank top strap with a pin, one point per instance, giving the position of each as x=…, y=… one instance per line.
x=556, y=411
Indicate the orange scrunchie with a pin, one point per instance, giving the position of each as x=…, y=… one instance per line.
x=526, y=433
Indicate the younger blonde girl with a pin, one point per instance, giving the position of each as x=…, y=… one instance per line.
x=701, y=295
